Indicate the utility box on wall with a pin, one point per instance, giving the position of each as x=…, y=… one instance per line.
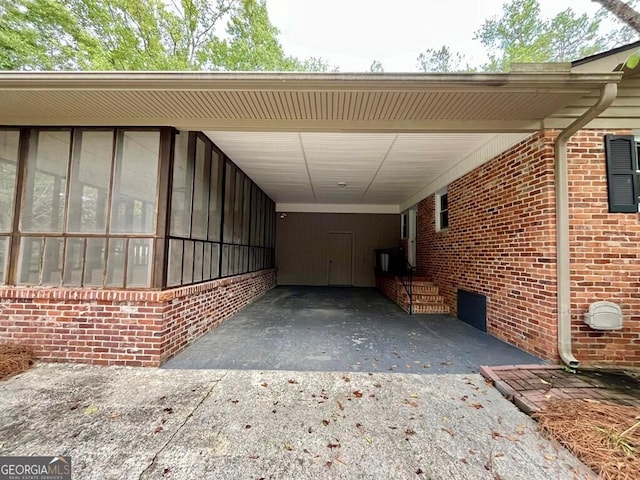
x=604, y=316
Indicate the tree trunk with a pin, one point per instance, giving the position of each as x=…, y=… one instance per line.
x=622, y=11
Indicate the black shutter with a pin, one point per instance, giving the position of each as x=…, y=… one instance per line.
x=622, y=163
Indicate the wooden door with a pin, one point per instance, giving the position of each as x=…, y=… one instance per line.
x=340, y=258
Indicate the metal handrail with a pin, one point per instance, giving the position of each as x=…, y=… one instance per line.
x=407, y=282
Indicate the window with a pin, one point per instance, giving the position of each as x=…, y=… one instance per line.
x=404, y=226
x=442, y=210
x=9, y=143
x=87, y=194
x=621, y=153
x=233, y=220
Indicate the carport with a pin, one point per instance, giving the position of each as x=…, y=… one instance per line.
x=344, y=329
x=342, y=156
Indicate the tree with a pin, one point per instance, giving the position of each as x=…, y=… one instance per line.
x=624, y=11
x=442, y=60
x=141, y=35
x=522, y=35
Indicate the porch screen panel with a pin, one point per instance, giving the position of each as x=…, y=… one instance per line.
x=90, y=173
x=215, y=196
x=9, y=144
x=46, y=181
x=135, y=182
x=200, y=218
x=182, y=187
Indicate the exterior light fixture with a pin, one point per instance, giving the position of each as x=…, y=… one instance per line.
x=342, y=185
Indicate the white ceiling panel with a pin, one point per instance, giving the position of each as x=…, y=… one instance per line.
x=378, y=169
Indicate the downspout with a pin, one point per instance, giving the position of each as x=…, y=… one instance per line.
x=607, y=96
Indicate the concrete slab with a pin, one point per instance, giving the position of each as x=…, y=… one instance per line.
x=344, y=329
x=152, y=423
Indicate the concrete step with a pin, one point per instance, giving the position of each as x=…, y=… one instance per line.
x=422, y=298
x=426, y=308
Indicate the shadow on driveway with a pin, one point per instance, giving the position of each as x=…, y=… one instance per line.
x=344, y=329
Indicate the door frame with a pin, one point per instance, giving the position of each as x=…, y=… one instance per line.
x=340, y=232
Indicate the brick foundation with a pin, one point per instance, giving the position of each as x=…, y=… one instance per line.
x=111, y=327
x=501, y=243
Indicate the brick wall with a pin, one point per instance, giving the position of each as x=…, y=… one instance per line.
x=501, y=243
x=132, y=328
x=605, y=256
x=388, y=285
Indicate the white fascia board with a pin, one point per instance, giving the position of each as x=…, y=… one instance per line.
x=489, y=150
x=335, y=208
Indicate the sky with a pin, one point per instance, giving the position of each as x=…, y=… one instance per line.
x=350, y=34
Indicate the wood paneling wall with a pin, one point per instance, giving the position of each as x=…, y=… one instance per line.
x=302, y=241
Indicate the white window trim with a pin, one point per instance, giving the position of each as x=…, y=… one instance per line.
x=437, y=196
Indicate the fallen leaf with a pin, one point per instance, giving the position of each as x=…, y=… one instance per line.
x=333, y=445
x=448, y=431
x=247, y=426
x=158, y=429
x=549, y=457
x=409, y=402
x=413, y=395
x=346, y=379
x=115, y=415
x=254, y=457
x=265, y=384
x=328, y=464
x=545, y=382
x=166, y=471
x=91, y=409
x=325, y=422
x=446, y=363
x=377, y=385
x=409, y=431
x=464, y=398
x=495, y=435
x=235, y=401
x=419, y=471
x=74, y=406
x=168, y=410
x=340, y=405
x=357, y=394
x=498, y=455
x=368, y=440
x=393, y=428
x=511, y=438
x=292, y=381
x=477, y=406
x=288, y=447
x=464, y=460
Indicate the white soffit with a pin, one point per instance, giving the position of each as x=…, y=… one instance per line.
x=384, y=173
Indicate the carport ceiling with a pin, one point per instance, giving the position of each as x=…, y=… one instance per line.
x=302, y=171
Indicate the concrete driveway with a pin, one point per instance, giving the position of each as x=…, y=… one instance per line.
x=344, y=329
x=127, y=423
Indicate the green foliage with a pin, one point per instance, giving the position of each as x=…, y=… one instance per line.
x=522, y=35
x=376, y=67
x=142, y=35
x=633, y=60
x=442, y=60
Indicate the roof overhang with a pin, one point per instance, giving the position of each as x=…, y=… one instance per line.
x=412, y=102
x=394, y=138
